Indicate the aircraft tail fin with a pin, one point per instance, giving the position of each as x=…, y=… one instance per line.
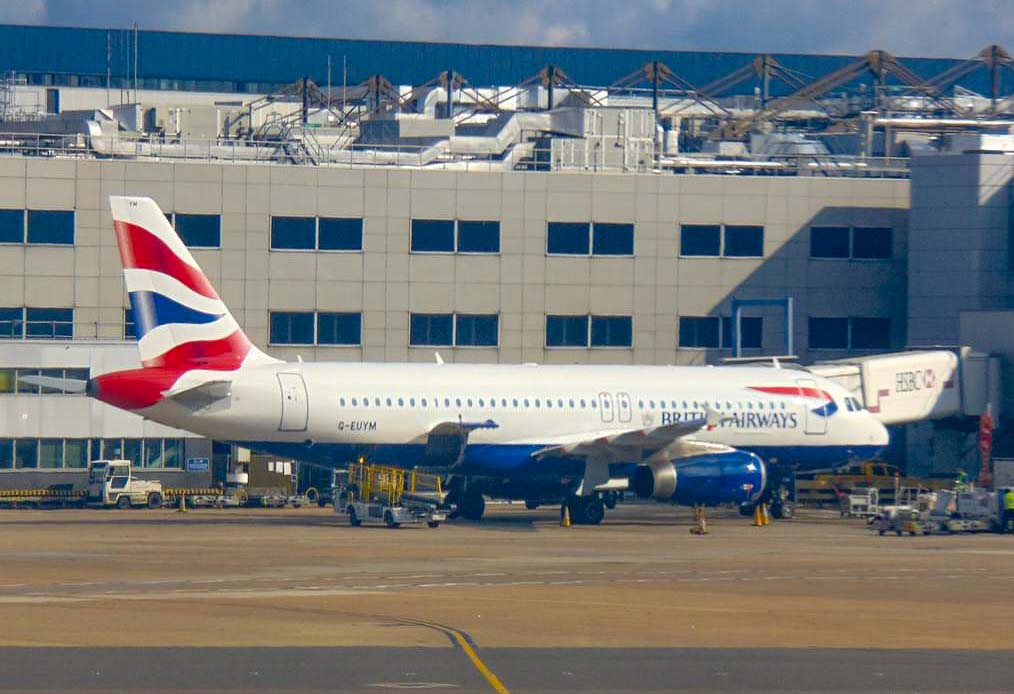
x=181, y=322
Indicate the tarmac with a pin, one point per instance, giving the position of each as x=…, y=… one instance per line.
x=295, y=600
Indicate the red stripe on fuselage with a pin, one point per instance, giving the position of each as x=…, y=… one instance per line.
x=140, y=249
x=222, y=355
x=793, y=391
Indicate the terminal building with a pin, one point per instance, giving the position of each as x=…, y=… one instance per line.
x=563, y=211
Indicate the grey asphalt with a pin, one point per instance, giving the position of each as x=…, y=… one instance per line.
x=377, y=669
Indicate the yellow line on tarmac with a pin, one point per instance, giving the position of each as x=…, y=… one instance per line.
x=492, y=679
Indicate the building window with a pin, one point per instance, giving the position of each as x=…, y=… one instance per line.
x=291, y=328
x=51, y=227
x=751, y=328
x=566, y=331
x=293, y=233
x=870, y=333
x=26, y=453
x=478, y=237
x=10, y=383
x=129, y=326
x=199, y=230
x=6, y=454
x=12, y=226
x=431, y=329
x=699, y=332
x=700, y=240
x=339, y=328
x=744, y=241
x=476, y=330
x=340, y=234
x=12, y=323
x=829, y=333
x=612, y=239
x=860, y=243
x=612, y=331
x=432, y=235
x=567, y=238
x=49, y=323
x=75, y=453
x=872, y=243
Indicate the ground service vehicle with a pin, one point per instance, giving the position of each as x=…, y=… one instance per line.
x=392, y=496
x=110, y=483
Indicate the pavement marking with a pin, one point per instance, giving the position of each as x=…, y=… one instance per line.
x=490, y=678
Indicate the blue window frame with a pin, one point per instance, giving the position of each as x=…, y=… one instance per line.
x=432, y=235
x=12, y=323
x=752, y=328
x=699, y=332
x=567, y=238
x=293, y=233
x=872, y=243
x=340, y=234
x=829, y=242
x=829, y=333
x=478, y=237
x=744, y=241
x=566, y=331
x=129, y=326
x=339, y=328
x=612, y=239
x=476, y=330
x=701, y=240
x=6, y=454
x=12, y=226
x=291, y=328
x=199, y=230
x=51, y=226
x=49, y=323
x=612, y=331
x=431, y=330
x=26, y=453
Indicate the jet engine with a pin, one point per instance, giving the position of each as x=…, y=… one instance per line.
x=734, y=477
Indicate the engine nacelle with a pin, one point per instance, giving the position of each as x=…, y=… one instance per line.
x=736, y=477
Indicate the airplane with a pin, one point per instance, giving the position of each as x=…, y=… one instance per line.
x=695, y=435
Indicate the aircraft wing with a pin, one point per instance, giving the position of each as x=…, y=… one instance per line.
x=629, y=445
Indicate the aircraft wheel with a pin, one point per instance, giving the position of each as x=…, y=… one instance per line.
x=471, y=506
x=746, y=509
x=594, y=510
x=785, y=510
x=610, y=499
x=433, y=524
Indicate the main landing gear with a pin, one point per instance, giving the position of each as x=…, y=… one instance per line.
x=584, y=510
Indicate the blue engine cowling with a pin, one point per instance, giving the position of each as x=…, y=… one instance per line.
x=736, y=477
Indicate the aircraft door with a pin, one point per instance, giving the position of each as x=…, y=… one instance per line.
x=295, y=408
x=814, y=410
x=606, y=407
x=623, y=411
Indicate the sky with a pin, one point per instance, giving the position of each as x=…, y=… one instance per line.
x=923, y=28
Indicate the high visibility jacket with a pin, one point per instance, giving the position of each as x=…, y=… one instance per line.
x=1008, y=500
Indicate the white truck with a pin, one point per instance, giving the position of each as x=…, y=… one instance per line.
x=110, y=483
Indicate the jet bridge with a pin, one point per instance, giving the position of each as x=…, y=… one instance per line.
x=914, y=386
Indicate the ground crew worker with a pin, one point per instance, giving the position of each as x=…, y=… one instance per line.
x=1008, y=511
x=961, y=482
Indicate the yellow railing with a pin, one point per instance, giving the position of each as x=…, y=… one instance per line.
x=389, y=483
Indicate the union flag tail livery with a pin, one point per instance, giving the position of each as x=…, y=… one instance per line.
x=686, y=435
x=183, y=327
x=181, y=322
